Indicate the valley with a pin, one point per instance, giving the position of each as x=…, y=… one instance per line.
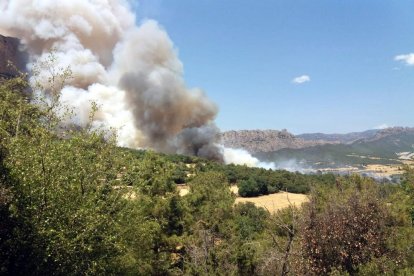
x=376, y=153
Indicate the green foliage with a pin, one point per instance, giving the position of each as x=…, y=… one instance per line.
x=157, y=212
x=71, y=208
x=408, y=186
x=257, y=181
x=250, y=187
x=17, y=116
x=210, y=206
x=249, y=220
x=210, y=200
x=63, y=207
x=72, y=203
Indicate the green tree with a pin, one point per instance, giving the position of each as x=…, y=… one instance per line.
x=250, y=223
x=251, y=187
x=62, y=190
x=153, y=242
x=210, y=206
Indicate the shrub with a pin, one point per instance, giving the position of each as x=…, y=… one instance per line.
x=251, y=187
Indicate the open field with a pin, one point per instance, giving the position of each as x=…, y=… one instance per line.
x=277, y=201
x=384, y=170
x=272, y=202
x=373, y=170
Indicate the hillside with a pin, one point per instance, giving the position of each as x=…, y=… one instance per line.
x=378, y=146
x=382, y=148
x=66, y=206
x=266, y=140
x=9, y=51
x=339, y=138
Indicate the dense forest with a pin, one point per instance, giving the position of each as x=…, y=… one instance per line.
x=73, y=203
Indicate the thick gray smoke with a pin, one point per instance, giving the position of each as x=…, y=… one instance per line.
x=132, y=72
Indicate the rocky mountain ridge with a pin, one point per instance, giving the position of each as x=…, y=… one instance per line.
x=11, y=52
x=256, y=141
x=266, y=140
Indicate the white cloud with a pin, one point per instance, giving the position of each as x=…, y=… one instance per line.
x=301, y=79
x=382, y=126
x=408, y=59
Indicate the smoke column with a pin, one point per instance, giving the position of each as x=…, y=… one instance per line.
x=131, y=71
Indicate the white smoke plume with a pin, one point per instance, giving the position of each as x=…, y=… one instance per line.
x=131, y=71
x=243, y=157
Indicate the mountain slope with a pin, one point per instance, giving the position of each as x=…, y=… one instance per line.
x=266, y=140
x=339, y=138
x=380, y=149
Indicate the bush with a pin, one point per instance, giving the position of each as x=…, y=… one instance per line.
x=349, y=230
x=251, y=187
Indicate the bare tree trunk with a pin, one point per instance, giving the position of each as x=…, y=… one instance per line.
x=285, y=267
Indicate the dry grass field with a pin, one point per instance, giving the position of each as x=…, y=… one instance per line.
x=384, y=170
x=272, y=202
x=377, y=170
x=277, y=201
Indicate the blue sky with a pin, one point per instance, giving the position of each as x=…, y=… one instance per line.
x=246, y=54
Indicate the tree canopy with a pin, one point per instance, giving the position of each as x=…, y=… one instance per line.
x=73, y=203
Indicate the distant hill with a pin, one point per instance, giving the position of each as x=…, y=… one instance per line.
x=384, y=146
x=266, y=140
x=339, y=138
x=381, y=148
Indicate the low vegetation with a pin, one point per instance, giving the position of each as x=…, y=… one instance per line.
x=65, y=209
x=251, y=182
